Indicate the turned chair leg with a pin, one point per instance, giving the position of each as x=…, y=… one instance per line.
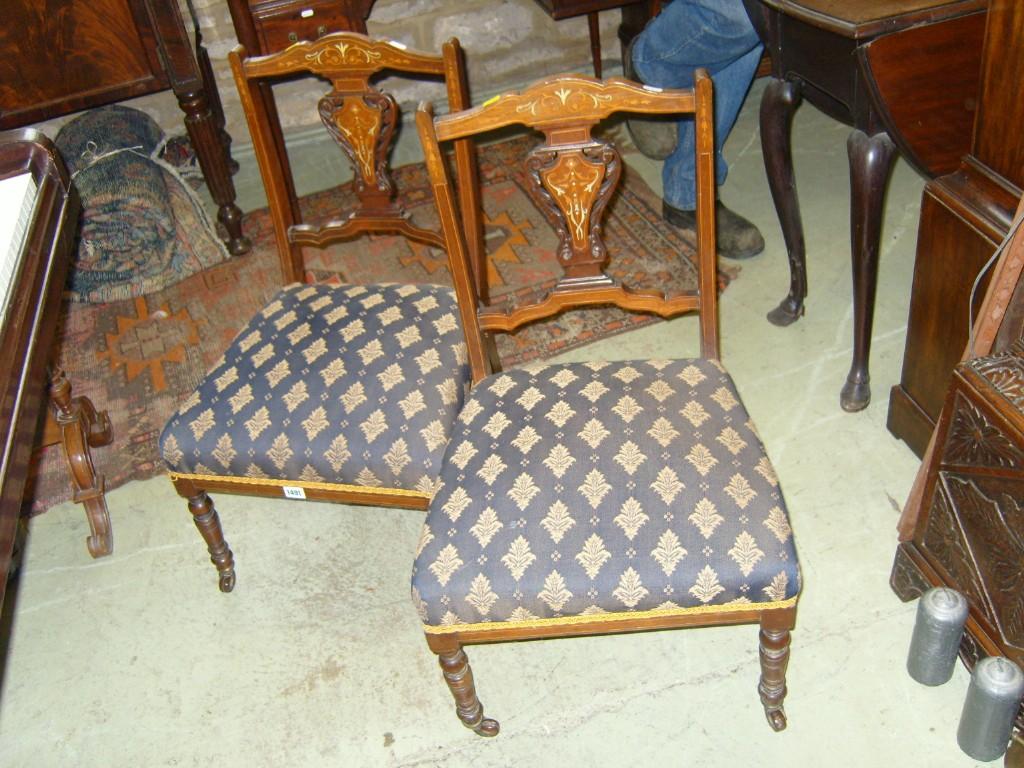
x=774, y=652
x=204, y=515
x=459, y=676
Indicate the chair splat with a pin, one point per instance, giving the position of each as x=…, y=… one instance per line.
x=574, y=183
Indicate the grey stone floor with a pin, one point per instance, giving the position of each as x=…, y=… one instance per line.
x=317, y=658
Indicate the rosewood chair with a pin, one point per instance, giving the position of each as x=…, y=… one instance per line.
x=603, y=497
x=343, y=393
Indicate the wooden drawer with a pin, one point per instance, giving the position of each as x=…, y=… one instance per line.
x=279, y=25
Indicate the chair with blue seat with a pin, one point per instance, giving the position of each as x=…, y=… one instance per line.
x=602, y=497
x=344, y=393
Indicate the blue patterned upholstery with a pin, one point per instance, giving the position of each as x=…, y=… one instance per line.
x=352, y=385
x=603, y=488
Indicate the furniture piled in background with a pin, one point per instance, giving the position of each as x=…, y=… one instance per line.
x=603, y=497
x=903, y=74
x=64, y=56
x=964, y=214
x=344, y=393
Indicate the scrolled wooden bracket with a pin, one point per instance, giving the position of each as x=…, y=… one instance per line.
x=82, y=427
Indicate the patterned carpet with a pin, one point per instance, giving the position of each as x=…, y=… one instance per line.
x=139, y=358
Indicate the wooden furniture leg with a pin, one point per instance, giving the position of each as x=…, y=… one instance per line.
x=216, y=106
x=594, y=27
x=207, y=521
x=871, y=159
x=81, y=427
x=459, y=676
x=778, y=104
x=206, y=138
x=774, y=654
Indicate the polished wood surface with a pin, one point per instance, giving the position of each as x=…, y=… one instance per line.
x=61, y=56
x=573, y=176
x=820, y=52
x=931, y=126
x=998, y=143
x=868, y=18
x=965, y=214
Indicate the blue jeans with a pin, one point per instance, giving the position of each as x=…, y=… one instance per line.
x=716, y=35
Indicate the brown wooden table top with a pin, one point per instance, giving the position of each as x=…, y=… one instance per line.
x=868, y=18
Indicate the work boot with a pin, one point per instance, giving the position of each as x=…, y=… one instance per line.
x=655, y=137
x=736, y=237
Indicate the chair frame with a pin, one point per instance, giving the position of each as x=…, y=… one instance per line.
x=362, y=120
x=565, y=109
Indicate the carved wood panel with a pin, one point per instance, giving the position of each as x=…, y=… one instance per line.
x=973, y=531
x=991, y=523
x=974, y=440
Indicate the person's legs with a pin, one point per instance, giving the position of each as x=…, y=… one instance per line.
x=718, y=36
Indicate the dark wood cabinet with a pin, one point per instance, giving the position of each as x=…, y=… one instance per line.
x=269, y=26
x=61, y=56
x=964, y=215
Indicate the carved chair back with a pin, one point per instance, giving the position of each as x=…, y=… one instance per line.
x=362, y=120
x=573, y=176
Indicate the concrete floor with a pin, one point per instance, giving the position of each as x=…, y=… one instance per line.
x=317, y=658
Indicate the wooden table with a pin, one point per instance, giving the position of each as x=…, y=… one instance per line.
x=61, y=56
x=900, y=72
x=635, y=13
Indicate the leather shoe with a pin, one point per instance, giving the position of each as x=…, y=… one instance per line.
x=656, y=137
x=737, y=238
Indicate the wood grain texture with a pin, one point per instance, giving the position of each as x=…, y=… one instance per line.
x=997, y=136
x=931, y=126
x=60, y=56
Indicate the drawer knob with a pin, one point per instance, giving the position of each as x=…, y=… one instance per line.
x=321, y=30
x=292, y=37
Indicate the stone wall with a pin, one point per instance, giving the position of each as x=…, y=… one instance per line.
x=508, y=43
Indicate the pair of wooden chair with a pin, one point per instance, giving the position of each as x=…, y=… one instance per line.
x=562, y=499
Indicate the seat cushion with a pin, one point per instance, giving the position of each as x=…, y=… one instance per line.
x=343, y=385
x=603, y=488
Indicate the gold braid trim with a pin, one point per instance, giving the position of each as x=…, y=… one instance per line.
x=598, y=617
x=270, y=482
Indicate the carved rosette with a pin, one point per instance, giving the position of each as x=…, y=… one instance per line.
x=574, y=185
x=363, y=124
x=1005, y=372
x=973, y=440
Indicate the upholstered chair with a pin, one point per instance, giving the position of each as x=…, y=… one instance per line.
x=347, y=392
x=601, y=497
